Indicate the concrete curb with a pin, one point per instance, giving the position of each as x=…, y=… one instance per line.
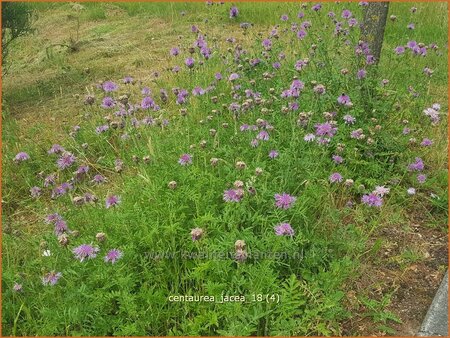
x=436, y=320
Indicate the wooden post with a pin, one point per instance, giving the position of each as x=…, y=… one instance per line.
x=372, y=30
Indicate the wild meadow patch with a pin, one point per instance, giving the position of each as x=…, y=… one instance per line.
x=254, y=167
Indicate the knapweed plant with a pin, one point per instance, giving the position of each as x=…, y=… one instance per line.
x=253, y=166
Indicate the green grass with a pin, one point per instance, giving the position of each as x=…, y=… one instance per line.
x=43, y=99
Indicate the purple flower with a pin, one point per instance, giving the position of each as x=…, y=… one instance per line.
x=284, y=17
x=337, y=159
x=267, y=44
x=336, y=177
x=411, y=191
x=17, y=287
x=361, y=74
x=35, y=192
x=102, y=129
x=325, y=129
x=309, y=137
x=399, y=50
x=345, y=100
x=284, y=201
x=174, y=51
x=381, y=191
x=113, y=256
x=233, y=76
x=273, y=154
x=109, y=86
x=51, y=278
x=52, y=218
x=263, y=135
x=417, y=165
x=112, y=201
x=218, y=76
x=66, y=160
x=234, y=12
x=349, y=119
x=254, y=143
x=346, y=14
x=372, y=200
x=98, y=179
x=147, y=102
x=301, y=34
x=233, y=195
x=22, y=156
x=189, y=62
x=108, y=102
x=426, y=142
x=411, y=26
x=50, y=180
x=85, y=251
x=185, y=159
x=316, y=7
x=421, y=178
x=60, y=227
x=128, y=80
x=284, y=229
x=56, y=149
x=352, y=22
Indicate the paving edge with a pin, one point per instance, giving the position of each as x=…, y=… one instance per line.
x=436, y=319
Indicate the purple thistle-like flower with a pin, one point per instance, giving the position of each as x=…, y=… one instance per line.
x=109, y=86
x=234, y=12
x=372, y=200
x=273, y=154
x=189, y=62
x=284, y=229
x=399, y=50
x=267, y=44
x=185, y=159
x=147, y=102
x=113, y=256
x=381, y=191
x=98, y=179
x=284, y=17
x=108, y=102
x=421, y=178
x=346, y=14
x=349, y=119
x=301, y=34
x=335, y=177
x=174, y=51
x=60, y=227
x=352, y=22
x=52, y=218
x=361, y=74
x=102, y=129
x=22, y=156
x=345, y=100
x=426, y=142
x=17, y=287
x=316, y=7
x=51, y=278
x=325, y=129
x=233, y=76
x=233, y=195
x=309, y=137
x=35, y=192
x=337, y=159
x=218, y=76
x=411, y=26
x=85, y=251
x=112, y=201
x=284, y=201
x=66, y=160
x=128, y=80
x=56, y=149
x=263, y=135
x=417, y=165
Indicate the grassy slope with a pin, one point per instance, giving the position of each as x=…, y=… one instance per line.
x=40, y=103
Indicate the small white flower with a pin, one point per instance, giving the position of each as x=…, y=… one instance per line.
x=411, y=191
x=46, y=253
